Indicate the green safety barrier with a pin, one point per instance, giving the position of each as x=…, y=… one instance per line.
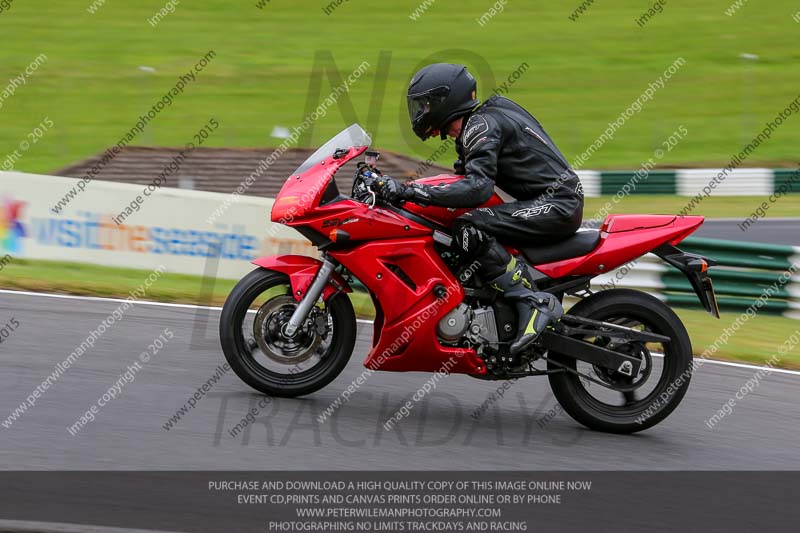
x=787, y=181
x=657, y=182
x=744, y=273
x=742, y=254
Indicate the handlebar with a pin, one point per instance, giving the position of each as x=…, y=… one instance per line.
x=366, y=186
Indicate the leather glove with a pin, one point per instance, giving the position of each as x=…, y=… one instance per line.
x=390, y=190
x=417, y=194
x=459, y=167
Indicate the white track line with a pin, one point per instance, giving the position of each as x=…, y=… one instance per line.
x=360, y=320
x=142, y=302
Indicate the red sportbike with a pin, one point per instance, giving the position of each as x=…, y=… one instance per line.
x=619, y=360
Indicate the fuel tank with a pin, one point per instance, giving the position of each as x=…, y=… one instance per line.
x=445, y=215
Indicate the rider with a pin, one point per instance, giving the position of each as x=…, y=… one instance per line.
x=498, y=143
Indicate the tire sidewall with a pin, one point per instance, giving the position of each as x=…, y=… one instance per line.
x=678, y=365
x=232, y=338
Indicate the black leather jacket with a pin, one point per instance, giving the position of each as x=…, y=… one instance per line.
x=502, y=144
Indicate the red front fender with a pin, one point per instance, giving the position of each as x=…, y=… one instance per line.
x=301, y=271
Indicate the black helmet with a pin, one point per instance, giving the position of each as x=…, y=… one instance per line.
x=439, y=94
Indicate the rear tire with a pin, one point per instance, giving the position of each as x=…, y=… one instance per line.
x=240, y=354
x=671, y=386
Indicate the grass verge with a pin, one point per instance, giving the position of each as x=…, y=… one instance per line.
x=269, y=59
x=712, y=207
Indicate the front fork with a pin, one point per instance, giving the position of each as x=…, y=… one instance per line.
x=312, y=295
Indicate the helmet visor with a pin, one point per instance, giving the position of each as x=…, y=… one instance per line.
x=421, y=104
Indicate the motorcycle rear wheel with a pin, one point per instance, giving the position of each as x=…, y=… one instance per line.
x=251, y=334
x=627, y=307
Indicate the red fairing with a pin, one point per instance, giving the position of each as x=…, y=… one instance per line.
x=408, y=308
x=623, y=239
x=301, y=271
x=360, y=222
x=445, y=215
x=302, y=193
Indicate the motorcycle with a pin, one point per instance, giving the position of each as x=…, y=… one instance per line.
x=619, y=360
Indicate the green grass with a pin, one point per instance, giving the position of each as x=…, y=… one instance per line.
x=711, y=207
x=94, y=280
x=755, y=343
x=582, y=74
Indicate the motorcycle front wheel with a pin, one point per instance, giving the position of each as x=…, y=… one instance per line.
x=252, y=334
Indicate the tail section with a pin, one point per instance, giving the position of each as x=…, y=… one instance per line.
x=624, y=238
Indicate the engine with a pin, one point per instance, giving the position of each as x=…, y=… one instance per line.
x=476, y=325
x=454, y=324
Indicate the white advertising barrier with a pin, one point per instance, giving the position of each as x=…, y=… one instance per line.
x=737, y=182
x=591, y=180
x=167, y=226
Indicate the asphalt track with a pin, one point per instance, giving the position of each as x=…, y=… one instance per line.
x=772, y=231
x=516, y=434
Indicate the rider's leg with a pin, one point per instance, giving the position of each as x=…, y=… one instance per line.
x=536, y=310
x=507, y=274
x=520, y=223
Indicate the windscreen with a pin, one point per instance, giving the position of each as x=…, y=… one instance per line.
x=345, y=139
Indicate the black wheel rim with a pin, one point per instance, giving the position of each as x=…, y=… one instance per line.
x=259, y=363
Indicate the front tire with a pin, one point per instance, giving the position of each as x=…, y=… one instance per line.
x=251, y=334
x=627, y=307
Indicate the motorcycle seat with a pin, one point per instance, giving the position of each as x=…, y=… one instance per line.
x=581, y=243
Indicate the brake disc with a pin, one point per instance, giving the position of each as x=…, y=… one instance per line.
x=268, y=329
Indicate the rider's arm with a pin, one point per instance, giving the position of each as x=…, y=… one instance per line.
x=481, y=144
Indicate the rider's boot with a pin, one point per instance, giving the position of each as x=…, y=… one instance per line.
x=536, y=310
